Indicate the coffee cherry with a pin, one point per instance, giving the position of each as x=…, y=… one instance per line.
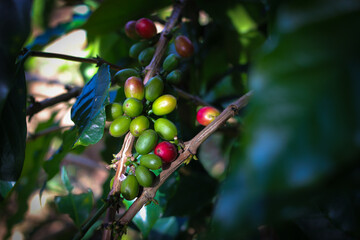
x=138, y=125
x=164, y=105
x=146, y=142
x=184, y=46
x=165, y=128
x=154, y=88
x=134, y=88
x=121, y=76
x=145, y=28
x=144, y=176
x=130, y=30
x=145, y=56
x=130, y=187
x=136, y=49
x=132, y=107
x=170, y=63
x=113, y=111
x=151, y=161
x=206, y=115
x=174, y=76
x=120, y=126
x=166, y=151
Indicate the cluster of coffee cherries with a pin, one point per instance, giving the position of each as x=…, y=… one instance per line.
x=145, y=108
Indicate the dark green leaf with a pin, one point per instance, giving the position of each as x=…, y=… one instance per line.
x=303, y=124
x=113, y=14
x=88, y=112
x=5, y=187
x=16, y=15
x=78, y=206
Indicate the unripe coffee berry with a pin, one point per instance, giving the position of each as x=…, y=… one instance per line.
x=206, y=115
x=184, y=46
x=145, y=28
x=130, y=30
x=166, y=151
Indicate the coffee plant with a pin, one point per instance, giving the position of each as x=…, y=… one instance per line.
x=216, y=120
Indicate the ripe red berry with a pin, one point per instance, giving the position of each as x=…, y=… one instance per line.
x=130, y=30
x=206, y=115
x=145, y=28
x=184, y=46
x=166, y=151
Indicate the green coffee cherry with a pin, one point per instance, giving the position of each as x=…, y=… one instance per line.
x=120, y=126
x=154, y=88
x=113, y=111
x=136, y=49
x=170, y=63
x=132, y=107
x=146, y=142
x=134, y=88
x=139, y=125
x=145, y=56
x=151, y=161
x=130, y=187
x=121, y=76
x=174, y=76
x=164, y=105
x=165, y=128
x=144, y=176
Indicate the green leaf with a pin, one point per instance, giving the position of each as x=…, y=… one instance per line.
x=303, y=123
x=147, y=217
x=78, y=206
x=65, y=179
x=41, y=12
x=52, y=166
x=88, y=112
x=113, y=14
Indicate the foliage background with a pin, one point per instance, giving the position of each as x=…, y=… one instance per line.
x=287, y=167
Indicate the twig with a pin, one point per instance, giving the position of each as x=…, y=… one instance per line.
x=45, y=132
x=96, y=60
x=189, y=150
x=188, y=96
x=39, y=106
x=165, y=37
x=150, y=71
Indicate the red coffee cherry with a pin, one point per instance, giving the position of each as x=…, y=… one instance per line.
x=206, y=115
x=130, y=30
x=166, y=151
x=145, y=28
x=184, y=46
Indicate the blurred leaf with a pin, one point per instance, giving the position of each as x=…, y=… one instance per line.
x=167, y=228
x=52, y=166
x=303, y=124
x=41, y=12
x=5, y=188
x=195, y=183
x=147, y=217
x=36, y=151
x=112, y=15
x=88, y=112
x=65, y=179
x=78, y=206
